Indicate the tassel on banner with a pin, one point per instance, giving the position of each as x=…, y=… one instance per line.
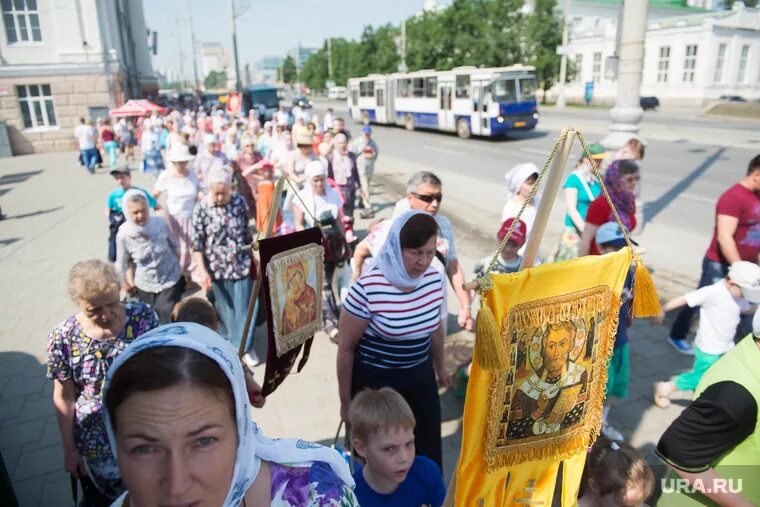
x=646, y=303
x=492, y=354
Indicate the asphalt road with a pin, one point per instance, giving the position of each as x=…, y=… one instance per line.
x=689, y=162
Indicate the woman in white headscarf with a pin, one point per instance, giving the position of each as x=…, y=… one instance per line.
x=145, y=241
x=390, y=330
x=520, y=181
x=321, y=202
x=178, y=419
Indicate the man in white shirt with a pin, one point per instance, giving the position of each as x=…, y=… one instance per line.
x=86, y=136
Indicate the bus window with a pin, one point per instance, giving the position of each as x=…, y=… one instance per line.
x=504, y=90
x=528, y=87
x=380, y=97
x=463, y=87
x=404, y=86
x=418, y=89
x=430, y=87
x=371, y=89
x=354, y=96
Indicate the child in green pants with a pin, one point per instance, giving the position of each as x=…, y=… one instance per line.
x=721, y=306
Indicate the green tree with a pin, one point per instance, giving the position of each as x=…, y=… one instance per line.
x=314, y=71
x=289, y=71
x=543, y=33
x=215, y=79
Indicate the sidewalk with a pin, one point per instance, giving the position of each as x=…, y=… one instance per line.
x=55, y=218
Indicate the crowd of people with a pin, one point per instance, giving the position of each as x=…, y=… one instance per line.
x=153, y=403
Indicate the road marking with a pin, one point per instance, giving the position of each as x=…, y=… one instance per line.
x=443, y=150
x=699, y=198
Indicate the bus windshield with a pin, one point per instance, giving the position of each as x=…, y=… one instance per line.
x=528, y=87
x=266, y=97
x=504, y=90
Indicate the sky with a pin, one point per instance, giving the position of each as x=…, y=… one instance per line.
x=267, y=28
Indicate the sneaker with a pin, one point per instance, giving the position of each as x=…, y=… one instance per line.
x=251, y=360
x=611, y=433
x=683, y=346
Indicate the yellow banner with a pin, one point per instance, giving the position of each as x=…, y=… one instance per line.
x=557, y=322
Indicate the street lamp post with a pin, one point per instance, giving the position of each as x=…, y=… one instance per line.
x=192, y=46
x=238, y=85
x=563, y=60
x=627, y=113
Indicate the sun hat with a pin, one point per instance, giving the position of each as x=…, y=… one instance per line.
x=611, y=234
x=747, y=276
x=179, y=152
x=518, y=234
x=304, y=139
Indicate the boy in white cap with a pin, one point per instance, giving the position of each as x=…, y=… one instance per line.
x=721, y=305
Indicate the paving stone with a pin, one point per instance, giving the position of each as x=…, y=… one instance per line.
x=35, y=409
x=24, y=386
x=21, y=433
x=29, y=491
x=11, y=408
x=39, y=461
x=57, y=489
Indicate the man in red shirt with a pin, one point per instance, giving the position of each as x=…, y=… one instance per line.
x=736, y=237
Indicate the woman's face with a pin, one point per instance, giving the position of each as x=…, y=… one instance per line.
x=630, y=181
x=104, y=311
x=527, y=186
x=176, y=446
x=626, y=153
x=417, y=260
x=138, y=211
x=219, y=193
x=305, y=149
x=181, y=166
x=318, y=185
x=296, y=284
x=341, y=145
x=248, y=148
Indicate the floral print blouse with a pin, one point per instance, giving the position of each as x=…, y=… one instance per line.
x=219, y=232
x=311, y=485
x=73, y=355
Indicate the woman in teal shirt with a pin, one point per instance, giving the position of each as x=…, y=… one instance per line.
x=581, y=188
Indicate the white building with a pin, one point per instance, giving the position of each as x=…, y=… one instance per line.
x=267, y=70
x=214, y=58
x=63, y=59
x=691, y=58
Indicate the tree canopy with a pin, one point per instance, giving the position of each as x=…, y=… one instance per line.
x=489, y=33
x=215, y=79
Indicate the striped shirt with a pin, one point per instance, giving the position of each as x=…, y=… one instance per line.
x=398, y=333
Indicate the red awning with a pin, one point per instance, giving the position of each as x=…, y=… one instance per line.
x=138, y=107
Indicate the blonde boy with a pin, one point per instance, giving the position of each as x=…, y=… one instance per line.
x=383, y=434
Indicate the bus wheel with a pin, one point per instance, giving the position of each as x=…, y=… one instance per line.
x=365, y=118
x=463, y=128
x=409, y=122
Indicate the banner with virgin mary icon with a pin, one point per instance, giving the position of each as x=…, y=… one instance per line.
x=557, y=323
x=293, y=272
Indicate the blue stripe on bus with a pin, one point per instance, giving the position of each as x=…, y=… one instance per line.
x=422, y=120
x=371, y=114
x=511, y=108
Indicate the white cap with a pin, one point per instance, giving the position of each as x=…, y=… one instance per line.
x=747, y=276
x=313, y=169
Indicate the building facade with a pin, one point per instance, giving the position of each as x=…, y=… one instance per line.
x=267, y=70
x=690, y=59
x=214, y=58
x=65, y=59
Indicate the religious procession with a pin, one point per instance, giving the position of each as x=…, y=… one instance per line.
x=259, y=296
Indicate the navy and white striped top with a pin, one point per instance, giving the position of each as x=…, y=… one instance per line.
x=400, y=323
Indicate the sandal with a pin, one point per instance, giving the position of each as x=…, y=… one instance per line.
x=662, y=392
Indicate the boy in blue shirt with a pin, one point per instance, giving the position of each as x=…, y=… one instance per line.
x=383, y=434
x=114, y=212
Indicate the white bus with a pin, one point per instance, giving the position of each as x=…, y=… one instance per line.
x=465, y=100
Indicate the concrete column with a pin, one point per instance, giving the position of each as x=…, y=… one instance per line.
x=627, y=113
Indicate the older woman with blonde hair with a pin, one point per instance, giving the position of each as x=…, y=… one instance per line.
x=80, y=350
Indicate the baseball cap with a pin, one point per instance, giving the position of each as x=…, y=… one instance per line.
x=118, y=171
x=518, y=234
x=597, y=151
x=747, y=276
x=366, y=129
x=611, y=234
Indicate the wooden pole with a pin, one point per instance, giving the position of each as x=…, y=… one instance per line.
x=553, y=182
x=273, y=209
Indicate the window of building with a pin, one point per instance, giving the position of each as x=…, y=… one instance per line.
x=22, y=21
x=690, y=63
x=597, y=73
x=662, y=64
x=418, y=87
x=579, y=68
x=718, y=77
x=431, y=84
x=463, y=87
x=36, y=103
x=743, y=64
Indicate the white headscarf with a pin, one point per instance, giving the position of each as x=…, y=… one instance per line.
x=313, y=204
x=390, y=260
x=252, y=445
x=131, y=229
x=517, y=176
